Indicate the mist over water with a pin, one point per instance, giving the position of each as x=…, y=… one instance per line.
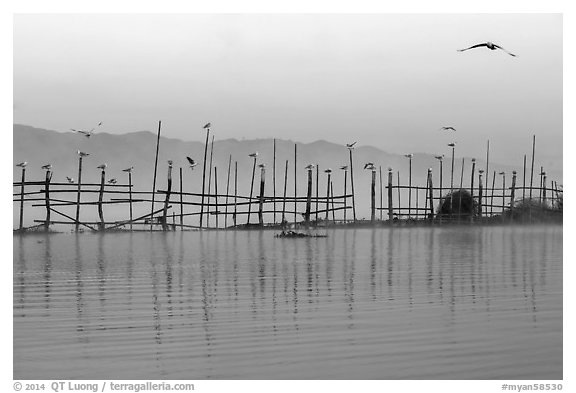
x=461, y=302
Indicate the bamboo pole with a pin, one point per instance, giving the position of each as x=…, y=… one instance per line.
x=472, y=187
x=155, y=170
x=410, y=187
x=373, y=197
x=210, y=180
x=503, y=194
x=524, y=180
x=381, y=200
x=491, y=194
x=100, y=197
x=228, y=189
x=345, y=190
x=390, y=202
x=399, y=203
x=181, y=204
x=284, y=199
x=235, y=191
x=460, y=190
x=317, y=188
x=328, y=194
x=352, y=183
x=332, y=201
x=262, y=186
x=308, y=197
x=532, y=166
x=480, y=193
x=216, y=194
x=540, y=189
x=167, y=198
x=544, y=189
x=452, y=182
x=274, y=179
x=47, y=199
x=21, y=224
x=487, y=161
x=251, y=191
x=79, y=192
x=512, y=192
x=295, y=181
x=130, y=195
x=207, y=127
x=125, y=222
x=73, y=220
x=430, y=194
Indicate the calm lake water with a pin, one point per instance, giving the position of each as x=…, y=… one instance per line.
x=401, y=303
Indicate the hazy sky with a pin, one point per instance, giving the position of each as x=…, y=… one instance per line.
x=385, y=80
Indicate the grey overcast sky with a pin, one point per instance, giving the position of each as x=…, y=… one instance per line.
x=385, y=80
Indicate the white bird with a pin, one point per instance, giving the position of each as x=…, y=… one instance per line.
x=309, y=167
x=191, y=162
x=448, y=128
x=368, y=164
x=207, y=125
x=22, y=164
x=488, y=45
x=112, y=181
x=253, y=155
x=102, y=166
x=82, y=154
x=409, y=155
x=350, y=145
x=70, y=180
x=344, y=167
x=129, y=170
x=47, y=167
x=328, y=170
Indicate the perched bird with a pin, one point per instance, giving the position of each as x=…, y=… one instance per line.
x=112, y=181
x=253, y=155
x=261, y=165
x=439, y=157
x=409, y=155
x=170, y=162
x=501, y=173
x=452, y=144
x=82, y=154
x=488, y=45
x=480, y=171
x=328, y=170
x=344, y=167
x=368, y=164
x=102, y=166
x=70, y=180
x=207, y=125
x=309, y=167
x=129, y=170
x=47, y=167
x=448, y=128
x=191, y=162
x=22, y=164
x=350, y=145
x=389, y=169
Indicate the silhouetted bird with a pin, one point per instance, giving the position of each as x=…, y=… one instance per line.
x=22, y=164
x=191, y=162
x=448, y=128
x=261, y=165
x=350, y=145
x=488, y=45
x=207, y=125
x=253, y=155
x=82, y=154
x=439, y=157
x=328, y=170
x=112, y=181
x=70, y=180
x=129, y=170
x=344, y=167
x=368, y=164
x=102, y=166
x=409, y=155
x=47, y=167
x=452, y=144
x=309, y=167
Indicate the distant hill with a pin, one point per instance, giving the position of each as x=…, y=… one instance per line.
x=40, y=146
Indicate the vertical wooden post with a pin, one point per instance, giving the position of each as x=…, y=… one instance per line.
x=460, y=190
x=227, y=192
x=410, y=188
x=295, y=182
x=540, y=189
x=21, y=225
x=47, y=198
x=235, y=191
x=373, y=197
x=130, y=195
x=524, y=180
x=491, y=193
x=472, y=188
x=352, y=183
x=167, y=199
x=452, y=183
x=181, y=202
x=544, y=190
x=308, y=197
x=153, y=182
x=251, y=192
x=399, y=203
x=381, y=198
x=216, y=195
x=503, y=194
x=204, y=176
x=79, y=192
x=512, y=193
x=430, y=194
x=317, y=188
x=274, y=180
x=390, y=211
x=332, y=201
x=532, y=167
x=100, y=197
x=284, y=199
x=441, y=172
x=210, y=182
x=262, y=186
x=480, y=193
x=328, y=197
x=487, y=160
x=345, y=190
x=417, y=214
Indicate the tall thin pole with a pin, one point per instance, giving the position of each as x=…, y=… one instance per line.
x=328, y=197
x=332, y=201
x=274, y=179
x=540, y=190
x=210, y=181
x=227, y=191
x=430, y=188
x=261, y=204
x=181, y=202
x=47, y=198
x=317, y=188
x=390, y=202
x=503, y=194
x=79, y=192
x=373, y=197
x=154, y=181
x=308, y=197
x=491, y=194
x=100, y=197
x=251, y=191
x=487, y=158
x=452, y=181
x=345, y=191
x=130, y=195
x=235, y=191
x=216, y=194
x=532, y=166
x=167, y=198
x=352, y=183
x=480, y=186
x=204, y=176
x=512, y=192
x=21, y=226
x=472, y=185
x=399, y=203
x=381, y=200
x=410, y=188
x=524, y=180
x=295, y=181
x=284, y=199
x=460, y=190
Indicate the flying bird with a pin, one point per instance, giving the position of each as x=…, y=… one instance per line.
x=488, y=45
x=344, y=167
x=22, y=164
x=102, y=166
x=191, y=162
x=47, y=167
x=350, y=145
x=448, y=128
x=112, y=181
x=82, y=154
x=70, y=180
x=368, y=164
x=253, y=155
x=207, y=125
x=129, y=170
x=87, y=134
